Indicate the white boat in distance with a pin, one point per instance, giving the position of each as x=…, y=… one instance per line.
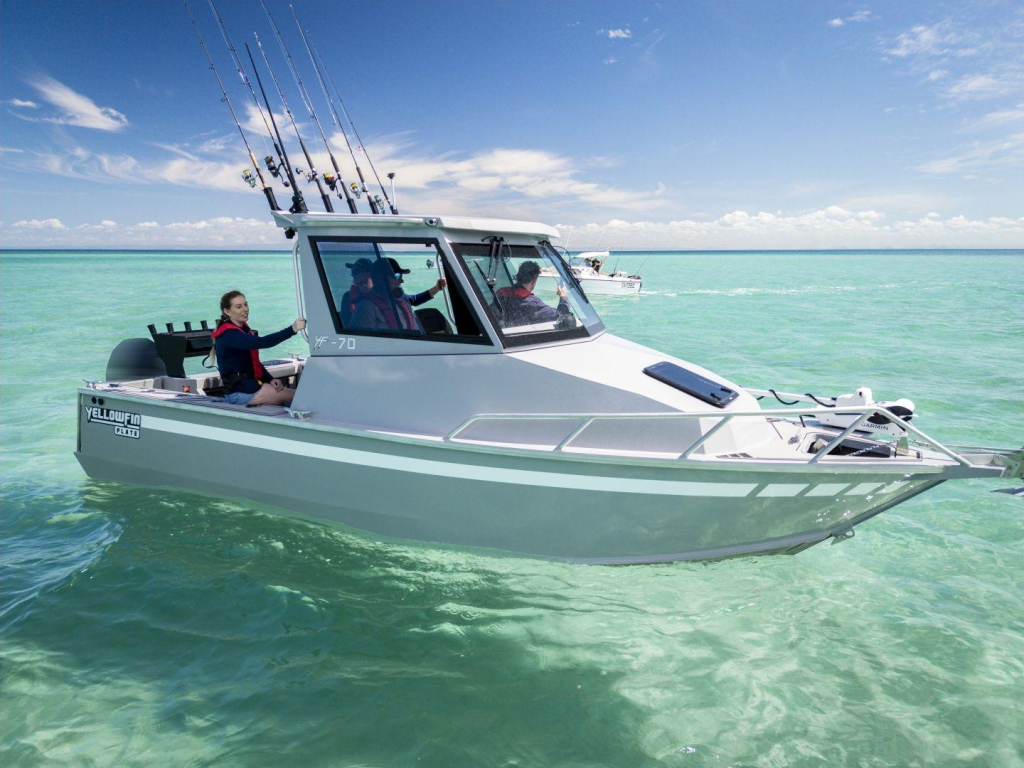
x=593, y=281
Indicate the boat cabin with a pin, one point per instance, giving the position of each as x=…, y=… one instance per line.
x=344, y=260
x=501, y=354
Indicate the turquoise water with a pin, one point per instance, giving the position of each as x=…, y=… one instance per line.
x=142, y=626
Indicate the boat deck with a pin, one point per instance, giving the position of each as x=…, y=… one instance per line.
x=796, y=437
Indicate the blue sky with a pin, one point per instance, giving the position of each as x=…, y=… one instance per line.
x=635, y=125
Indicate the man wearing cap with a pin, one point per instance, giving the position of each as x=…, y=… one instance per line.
x=396, y=278
x=518, y=305
x=359, y=293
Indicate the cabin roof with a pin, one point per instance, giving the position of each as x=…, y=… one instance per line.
x=405, y=222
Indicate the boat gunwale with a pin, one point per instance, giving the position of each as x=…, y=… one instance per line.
x=827, y=467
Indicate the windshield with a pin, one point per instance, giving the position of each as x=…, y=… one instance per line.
x=530, y=294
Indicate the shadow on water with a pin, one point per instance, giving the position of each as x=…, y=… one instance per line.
x=169, y=627
x=247, y=635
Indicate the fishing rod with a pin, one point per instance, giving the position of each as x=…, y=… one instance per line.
x=362, y=146
x=275, y=168
x=298, y=203
x=311, y=174
x=332, y=181
x=267, y=189
x=336, y=119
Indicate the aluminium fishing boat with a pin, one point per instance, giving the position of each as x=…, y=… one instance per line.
x=462, y=424
x=469, y=429
x=618, y=282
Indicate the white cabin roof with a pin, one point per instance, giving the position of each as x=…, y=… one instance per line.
x=407, y=221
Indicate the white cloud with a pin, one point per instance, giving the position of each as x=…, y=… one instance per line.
x=981, y=87
x=1006, y=152
x=11, y=150
x=998, y=118
x=106, y=224
x=39, y=224
x=612, y=60
x=856, y=18
x=22, y=103
x=255, y=126
x=924, y=41
x=832, y=227
x=493, y=179
x=222, y=231
x=936, y=74
x=77, y=109
x=620, y=34
x=186, y=169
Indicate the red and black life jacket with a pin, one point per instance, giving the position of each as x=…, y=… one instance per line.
x=513, y=291
x=386, y=309
x=258, y=371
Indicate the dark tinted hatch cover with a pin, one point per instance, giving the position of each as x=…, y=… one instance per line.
x=692, y=384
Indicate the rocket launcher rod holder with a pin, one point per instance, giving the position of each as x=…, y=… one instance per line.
x=174, y=346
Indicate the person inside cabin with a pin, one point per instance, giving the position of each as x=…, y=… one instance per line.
x=396, y=279
x=518, y=305
x=236, y=349
x=360, y=291
x=378, y=302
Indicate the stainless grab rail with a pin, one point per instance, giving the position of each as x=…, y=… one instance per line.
x=863, y=411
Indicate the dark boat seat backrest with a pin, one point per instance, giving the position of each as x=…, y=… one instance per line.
x=433, y=321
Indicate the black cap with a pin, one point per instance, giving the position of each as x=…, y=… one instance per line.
x=397, y=268
x=360, y=266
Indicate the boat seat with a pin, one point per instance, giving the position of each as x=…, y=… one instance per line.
x=434, y=322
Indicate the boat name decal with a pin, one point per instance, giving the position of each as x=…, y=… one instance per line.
x=342, y=342
x=125, y=423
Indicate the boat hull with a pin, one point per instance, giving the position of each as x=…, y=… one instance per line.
x=564, y=507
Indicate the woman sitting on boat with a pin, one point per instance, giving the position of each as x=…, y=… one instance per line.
x=237, y=352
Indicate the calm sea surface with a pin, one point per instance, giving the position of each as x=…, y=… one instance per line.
x=156, y=627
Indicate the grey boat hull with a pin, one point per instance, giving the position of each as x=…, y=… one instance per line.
x=583, y=509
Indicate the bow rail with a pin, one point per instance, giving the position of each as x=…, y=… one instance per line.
x=863, y=412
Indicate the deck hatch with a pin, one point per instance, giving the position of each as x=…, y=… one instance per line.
x=691, y=383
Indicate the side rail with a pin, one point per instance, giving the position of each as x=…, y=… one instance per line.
x=863, y=412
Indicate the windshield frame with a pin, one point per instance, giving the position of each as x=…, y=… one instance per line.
x=583, y=330
x=453, y=285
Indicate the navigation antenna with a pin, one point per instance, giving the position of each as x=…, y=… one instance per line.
x=311, y=174
x=336, y=118
x=267, y=189
x=362, y=146
x=275, y=168
x=332, y=181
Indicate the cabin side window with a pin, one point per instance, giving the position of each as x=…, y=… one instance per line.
x=392, y=287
